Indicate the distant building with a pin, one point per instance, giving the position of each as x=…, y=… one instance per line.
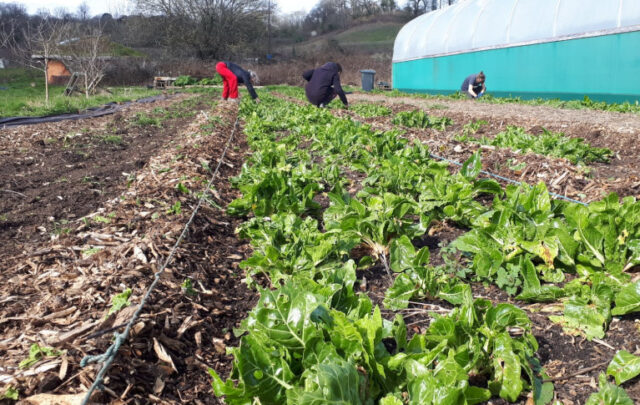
x=57, y=72
x=527, y=48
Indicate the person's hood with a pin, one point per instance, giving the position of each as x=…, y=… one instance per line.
x=330, y=67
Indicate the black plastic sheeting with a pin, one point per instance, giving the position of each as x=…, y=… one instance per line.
x=92, y=112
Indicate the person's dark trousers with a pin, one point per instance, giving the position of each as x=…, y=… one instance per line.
x=322, y=99
x=327, y=98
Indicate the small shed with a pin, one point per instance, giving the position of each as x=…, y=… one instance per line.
x=57, y=72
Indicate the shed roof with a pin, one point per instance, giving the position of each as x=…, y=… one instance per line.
x=472, y=25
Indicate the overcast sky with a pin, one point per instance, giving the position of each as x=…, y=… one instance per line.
x=118, y=7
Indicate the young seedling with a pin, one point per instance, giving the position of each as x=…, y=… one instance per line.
x=120, y=301
x=36, y=353
x=175, y=209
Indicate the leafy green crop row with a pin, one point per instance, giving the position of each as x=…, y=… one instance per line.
x=188, y=80
x=312, y=338
x=317, y=188
x=368, y=110
x=419, y=119
x=547, y=143
x=585, y=103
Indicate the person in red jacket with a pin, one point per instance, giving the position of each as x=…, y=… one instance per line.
x=233, y=74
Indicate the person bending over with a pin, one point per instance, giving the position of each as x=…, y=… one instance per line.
x=233, y=74
x=324, y=85
x=473, y=86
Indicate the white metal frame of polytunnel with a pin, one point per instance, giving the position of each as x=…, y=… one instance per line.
x=410, y=38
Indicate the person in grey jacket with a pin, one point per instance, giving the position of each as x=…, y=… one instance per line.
x=324, y=85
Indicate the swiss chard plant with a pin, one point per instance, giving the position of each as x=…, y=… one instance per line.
x=548, y=143
x=419, y=119
x=375, y=221
x=307, y=343
x=525, y=224
x=368, y=110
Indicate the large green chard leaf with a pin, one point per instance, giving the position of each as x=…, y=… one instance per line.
x=624, y=366
x=588, y=311
x=507, y=381
x=427, y=390
x=472, y=166
x=503, y=316
x=405, y=287
x=458, y=294
x=532, y=290
x=476, y=395
x=283, y=315
x=609, y=394
x=449, y=370
x=403, y=254
x=627, y=300
x=263, y=373
x=418, y=282
x=333, y=382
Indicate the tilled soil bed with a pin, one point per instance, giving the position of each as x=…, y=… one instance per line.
x=70, y=246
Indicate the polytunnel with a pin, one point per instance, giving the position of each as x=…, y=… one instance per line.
x=528, y=48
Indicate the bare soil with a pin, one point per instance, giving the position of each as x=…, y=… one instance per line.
x=64, y=259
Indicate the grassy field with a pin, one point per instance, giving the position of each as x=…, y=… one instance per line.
x=370, y=35
x=376, y=38
x=22, y=93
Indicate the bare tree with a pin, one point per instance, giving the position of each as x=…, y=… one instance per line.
x=361, y=8
x=388, y=6
x=211, y=28
x=413, y=7
x=83, y=11
x=34, y=43
x=87, y=53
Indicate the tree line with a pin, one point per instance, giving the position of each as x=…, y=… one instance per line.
x=329, y=15
x=208, y=29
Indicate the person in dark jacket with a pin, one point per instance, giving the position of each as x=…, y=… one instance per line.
x=233, y=74
x=324, y=85
x=473, y=86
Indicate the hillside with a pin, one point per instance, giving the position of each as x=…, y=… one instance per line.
x=375, y=37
